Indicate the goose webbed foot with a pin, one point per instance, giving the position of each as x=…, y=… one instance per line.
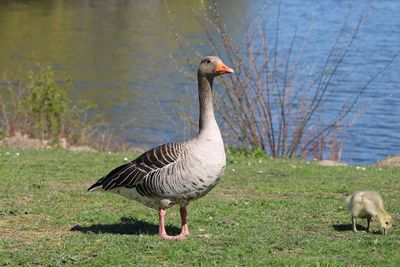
x=165, y=236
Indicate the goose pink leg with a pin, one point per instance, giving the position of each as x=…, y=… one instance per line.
x=185, y=228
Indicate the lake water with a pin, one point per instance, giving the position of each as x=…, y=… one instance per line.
x=123, y=55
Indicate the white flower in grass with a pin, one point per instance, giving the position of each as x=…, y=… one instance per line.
x=125, y=159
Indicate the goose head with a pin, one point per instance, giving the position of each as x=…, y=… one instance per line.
x=386, y=223
x=212, y=66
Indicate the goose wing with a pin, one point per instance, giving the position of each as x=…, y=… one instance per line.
x=144, y=167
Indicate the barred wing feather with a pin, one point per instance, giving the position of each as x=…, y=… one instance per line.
x=142, y=170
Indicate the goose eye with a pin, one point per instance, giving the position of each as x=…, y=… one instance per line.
x=387, y=223
x=208, y=61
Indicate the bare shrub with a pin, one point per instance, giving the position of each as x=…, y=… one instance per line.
x=10, y=107
x=272, y=103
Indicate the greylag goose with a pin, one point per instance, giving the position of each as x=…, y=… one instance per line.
x=178, y=172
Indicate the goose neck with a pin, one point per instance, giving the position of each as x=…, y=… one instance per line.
x=207, y=118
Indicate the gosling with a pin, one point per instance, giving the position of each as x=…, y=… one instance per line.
x=368, y=204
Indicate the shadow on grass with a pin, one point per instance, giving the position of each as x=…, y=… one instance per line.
x=126, y=226
x=349, y=227
x=346, y=227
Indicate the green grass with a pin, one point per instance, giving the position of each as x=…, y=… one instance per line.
x=263, y=212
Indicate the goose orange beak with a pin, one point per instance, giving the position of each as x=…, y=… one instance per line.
x=222, y=68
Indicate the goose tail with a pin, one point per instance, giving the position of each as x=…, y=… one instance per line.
x=348, y=200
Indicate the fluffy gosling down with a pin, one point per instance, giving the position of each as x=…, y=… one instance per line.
x=368, y=204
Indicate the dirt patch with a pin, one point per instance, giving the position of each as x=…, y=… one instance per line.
x=23, y=227
x=330, y=163
x=23, y=141
x=81, y=148
x=390, y=162
x=286, y=251
x=234, y=194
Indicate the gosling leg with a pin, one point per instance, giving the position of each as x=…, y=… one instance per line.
x=353, y=221
x=368, y=223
